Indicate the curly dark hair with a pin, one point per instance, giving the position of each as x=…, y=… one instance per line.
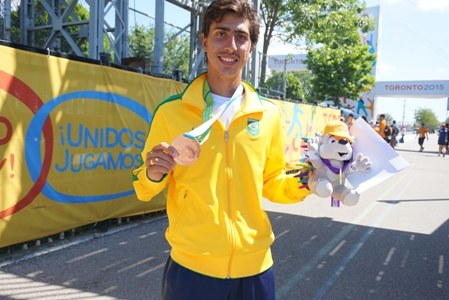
x=217, y=9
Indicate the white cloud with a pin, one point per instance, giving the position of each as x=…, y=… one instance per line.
x=385, y=2
x=281, y=48
x=425, y=5
x=383, y=70
x=440, y=73
x=391, y=2
x=428, y=5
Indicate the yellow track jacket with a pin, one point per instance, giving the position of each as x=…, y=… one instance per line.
x=217, y=226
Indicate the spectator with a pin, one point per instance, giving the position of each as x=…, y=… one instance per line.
x=442, y=139
x=447, y=140
x=381, y=127
x=394, y=134
x=350, y=120
x=422, y=134
x=402, y=132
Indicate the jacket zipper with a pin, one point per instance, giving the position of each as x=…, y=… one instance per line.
x=231, y=225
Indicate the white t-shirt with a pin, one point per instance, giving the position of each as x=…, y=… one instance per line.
x=220, y=103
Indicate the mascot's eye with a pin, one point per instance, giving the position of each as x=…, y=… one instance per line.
x=332, y=140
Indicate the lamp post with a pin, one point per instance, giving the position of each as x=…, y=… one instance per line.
x=403, y=112
x=284, y=81
x=284, y=76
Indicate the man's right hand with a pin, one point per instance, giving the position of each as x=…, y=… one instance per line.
x=160, y=161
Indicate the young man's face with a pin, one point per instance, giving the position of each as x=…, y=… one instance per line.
x=228, y=46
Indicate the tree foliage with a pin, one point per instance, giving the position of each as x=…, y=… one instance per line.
x=294, y=89
x=274, y=15
x=428, y=117
x=176, y=48
x=339, y=62
x=141, y=42
x=41, y=37
x=338, y=59
x=339, y=72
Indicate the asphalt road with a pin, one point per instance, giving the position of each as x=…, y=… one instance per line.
x=393, y=245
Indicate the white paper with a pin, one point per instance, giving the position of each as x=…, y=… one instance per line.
x=386, y=162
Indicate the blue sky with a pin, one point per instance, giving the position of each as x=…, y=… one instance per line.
x=413, y=45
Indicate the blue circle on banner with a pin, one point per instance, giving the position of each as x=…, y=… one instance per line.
x=33, y=141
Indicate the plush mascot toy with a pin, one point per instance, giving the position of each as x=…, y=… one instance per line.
x=331, y=156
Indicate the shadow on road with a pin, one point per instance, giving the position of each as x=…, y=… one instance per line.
x=324, y=259
x=315, y=258
x=410, y=200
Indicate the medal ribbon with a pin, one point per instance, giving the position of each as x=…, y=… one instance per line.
x=201, y=132
x=334, y=169
x=339, y=171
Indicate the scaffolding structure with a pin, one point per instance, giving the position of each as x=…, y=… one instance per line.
x=108, y=20
x=64, y=31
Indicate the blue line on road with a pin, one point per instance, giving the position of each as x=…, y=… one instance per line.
x=296, y=278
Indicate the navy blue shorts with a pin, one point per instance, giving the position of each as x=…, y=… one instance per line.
x=421, y=140
x=180, y=283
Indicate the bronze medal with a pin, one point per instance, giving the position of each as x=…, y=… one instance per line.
x=188, y=150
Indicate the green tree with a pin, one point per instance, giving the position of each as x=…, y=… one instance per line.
x=176, y=53
x=141, y=42
x=176, y=48
x=428, y=117
x=338, y=72
x=339, y=62
x=273, y=15
x=389, y=118
x=41, y=36
x=294, y=89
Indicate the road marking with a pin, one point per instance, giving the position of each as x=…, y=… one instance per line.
x=389, y=256
x=87, y=255
x=441, y=264
x=77, y=241
x=333, y=252
x=298, y=276
x=15, y=287
x=405, y=258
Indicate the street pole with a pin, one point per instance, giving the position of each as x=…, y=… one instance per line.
x=284, y=79
x=158, y=53
x=403, y=113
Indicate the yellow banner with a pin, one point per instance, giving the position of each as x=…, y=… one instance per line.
x=71, y=133
x=301, y=121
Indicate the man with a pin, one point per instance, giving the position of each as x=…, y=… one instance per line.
x=442, y=139
x=422, y=133
x=381, y=128
x=402, y=131
x=447, y=140
x=394, y=134
x=219, y=235
x=350, y=120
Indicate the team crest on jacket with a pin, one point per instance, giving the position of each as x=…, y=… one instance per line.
x=253, y=127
